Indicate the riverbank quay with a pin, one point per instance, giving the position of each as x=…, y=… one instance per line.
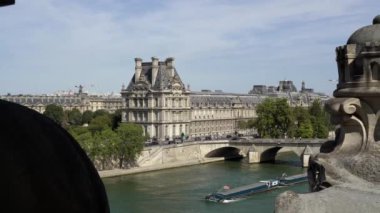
x=135, y=170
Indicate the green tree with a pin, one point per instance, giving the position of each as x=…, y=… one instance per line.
x=55, y=113
x=116, y=118
x=316, y=109
x=320, y=120
x=85, y=139
x=303, y=127
x=99, y=123
x=274, y=118
x=87, y=117
x=74, y=117
x=106, y=142
x=100, y=112
x=131, y=142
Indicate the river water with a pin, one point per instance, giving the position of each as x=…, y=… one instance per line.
x=183, y=189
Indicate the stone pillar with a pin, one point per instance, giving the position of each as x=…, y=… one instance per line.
x=253, y=157
x=170, y=65
x=305, y=161
x=154, y=69
x=305, y=156
x=138, y=68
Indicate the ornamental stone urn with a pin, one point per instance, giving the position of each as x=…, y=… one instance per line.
x=345, y=175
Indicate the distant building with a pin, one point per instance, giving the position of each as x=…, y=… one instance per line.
x=287, y=89
x=81, y=101
x=217, y=114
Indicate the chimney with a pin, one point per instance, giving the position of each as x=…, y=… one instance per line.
x=154, y=69
x=138, y=68
x=170, y=65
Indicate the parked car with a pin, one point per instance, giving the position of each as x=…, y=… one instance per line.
x=235, y=138
x=178, y=140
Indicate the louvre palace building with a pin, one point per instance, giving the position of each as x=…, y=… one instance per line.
x=157, y=99
x=80, y=100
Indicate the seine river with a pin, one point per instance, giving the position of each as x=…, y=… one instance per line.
x=183, y=189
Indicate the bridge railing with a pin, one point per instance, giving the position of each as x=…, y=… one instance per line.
x=253, y=141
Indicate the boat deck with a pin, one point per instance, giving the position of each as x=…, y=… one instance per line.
x=241, y=189
x=247, y=190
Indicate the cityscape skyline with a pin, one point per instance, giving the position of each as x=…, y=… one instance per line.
x=227, y=46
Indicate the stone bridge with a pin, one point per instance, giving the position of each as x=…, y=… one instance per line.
x=257, y=150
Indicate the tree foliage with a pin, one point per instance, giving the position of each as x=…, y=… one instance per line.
x=274, y=118
x=104, y=144
x=320, y=120
x=131, y=142
x=116, y=118
x=55, y=113
x=302, y=123
x=100, y=123
x=74, y=117
x=100, y=112
x=87, y=116
x=85, y=139
x=277, y=119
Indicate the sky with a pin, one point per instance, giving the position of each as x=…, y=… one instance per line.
x=48, y=46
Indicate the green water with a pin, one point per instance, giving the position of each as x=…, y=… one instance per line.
x=184, y=189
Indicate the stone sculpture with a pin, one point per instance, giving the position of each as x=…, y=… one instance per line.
x=345, y=176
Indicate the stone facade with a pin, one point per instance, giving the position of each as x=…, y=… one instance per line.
x=80, y=101
x=157, y=99
x=216, y=114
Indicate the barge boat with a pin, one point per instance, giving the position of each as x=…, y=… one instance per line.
x=227, y=195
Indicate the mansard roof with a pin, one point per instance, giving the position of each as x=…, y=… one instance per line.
x=164, y=78
x=198, y=99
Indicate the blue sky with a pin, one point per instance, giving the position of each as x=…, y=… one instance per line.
x=52, y=45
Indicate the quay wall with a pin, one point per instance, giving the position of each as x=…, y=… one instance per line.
x=192, y=153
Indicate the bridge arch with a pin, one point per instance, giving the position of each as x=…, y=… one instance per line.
x=269, y=155
x=226, y=152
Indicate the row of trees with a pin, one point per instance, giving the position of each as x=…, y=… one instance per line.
x=276, y=119
x=75, y=118
x=101, y=135
x=104, y=145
